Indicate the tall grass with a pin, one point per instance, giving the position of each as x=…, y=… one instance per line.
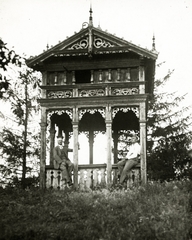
x=156, y=211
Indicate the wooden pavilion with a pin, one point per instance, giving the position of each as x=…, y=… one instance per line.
x=93, y=82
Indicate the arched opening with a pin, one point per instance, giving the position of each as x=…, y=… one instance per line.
x=124, y=124
x=92, y=131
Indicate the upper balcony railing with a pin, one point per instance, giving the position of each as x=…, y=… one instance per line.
x=93, y=76
x=94, y=83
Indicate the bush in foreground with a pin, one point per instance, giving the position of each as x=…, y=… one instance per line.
x=157, y=211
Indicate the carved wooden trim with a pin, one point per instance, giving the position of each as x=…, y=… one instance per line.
x=125, y=110
x=60, y=94
x=82, y=44
x=99, y=42
x=91, y=92
x=91, y=111
x=124, y=91
x=60, y=112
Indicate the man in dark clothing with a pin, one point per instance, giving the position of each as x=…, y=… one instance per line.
x=62, y=161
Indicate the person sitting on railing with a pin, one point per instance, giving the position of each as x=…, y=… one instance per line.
x=130, y=160
x=61, y=161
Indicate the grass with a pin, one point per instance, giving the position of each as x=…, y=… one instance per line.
x=156, y=211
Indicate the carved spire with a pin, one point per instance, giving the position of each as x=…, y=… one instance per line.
x=90, y=48
x=90, y=17
x=153, y=44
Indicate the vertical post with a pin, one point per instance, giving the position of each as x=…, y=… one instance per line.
x=108, y=122
x=115, y=151
x=73, y=77
x=66, y=143
x=43, y=125
x=44, y=82
x=60, y=132
x=64, y=77
x=75, y=146
x=141, y=79
x=92, y=76
x=91, y=139
x=143, y=139
x=52, y=141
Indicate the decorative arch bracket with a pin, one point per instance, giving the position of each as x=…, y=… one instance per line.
x=125, y=110
x=91, y=111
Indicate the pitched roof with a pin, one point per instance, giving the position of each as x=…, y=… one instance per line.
x=92, y=41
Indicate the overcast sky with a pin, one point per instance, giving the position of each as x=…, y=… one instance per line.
x=29, y=25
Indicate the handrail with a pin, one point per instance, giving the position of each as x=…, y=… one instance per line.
x=89, y=166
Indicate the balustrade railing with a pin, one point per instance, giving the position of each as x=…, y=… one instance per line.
x=54, y=92
x=90, y=176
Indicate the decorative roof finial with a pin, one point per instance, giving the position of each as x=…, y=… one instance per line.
x=153, y=44
x=90, y=17
x=90, y=47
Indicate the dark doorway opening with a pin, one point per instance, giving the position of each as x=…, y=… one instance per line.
x=83, y=76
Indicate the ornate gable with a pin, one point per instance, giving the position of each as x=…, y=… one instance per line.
x=98, y=42
x=91, y=41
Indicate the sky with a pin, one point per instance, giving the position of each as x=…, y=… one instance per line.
x=29, y=25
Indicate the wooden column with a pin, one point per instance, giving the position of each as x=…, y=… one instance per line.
x=52, y=141
x=115, y=151
x=66, y=143
x=108, y=122
x=143, y=139
x=91, y=140
x=75, y=146
x=142, y=79
x=44, y=82
x=60, y=131
x=43, y=125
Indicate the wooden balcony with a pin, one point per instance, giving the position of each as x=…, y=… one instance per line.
x=94, y=90
x=90, y=176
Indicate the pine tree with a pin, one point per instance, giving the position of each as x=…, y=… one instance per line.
x=18, y=146
x=169, y=135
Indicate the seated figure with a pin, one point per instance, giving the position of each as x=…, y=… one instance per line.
x=130, y=160
x=61, y=160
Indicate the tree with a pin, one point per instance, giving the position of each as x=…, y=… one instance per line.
x=20, y=145
x=169, y=135
x=6, y=57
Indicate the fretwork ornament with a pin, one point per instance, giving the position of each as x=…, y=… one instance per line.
x=91, y=93
x=99, y=42
x=60, y=94
x=125, y=110
x=91, y=111
x=58, y=112
x=82, y=44
x=125, y=91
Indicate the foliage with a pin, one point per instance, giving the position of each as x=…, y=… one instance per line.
x=6, y=57
x=12, y=153
x=169, y=135
x=157, y=211
x=21, y=145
